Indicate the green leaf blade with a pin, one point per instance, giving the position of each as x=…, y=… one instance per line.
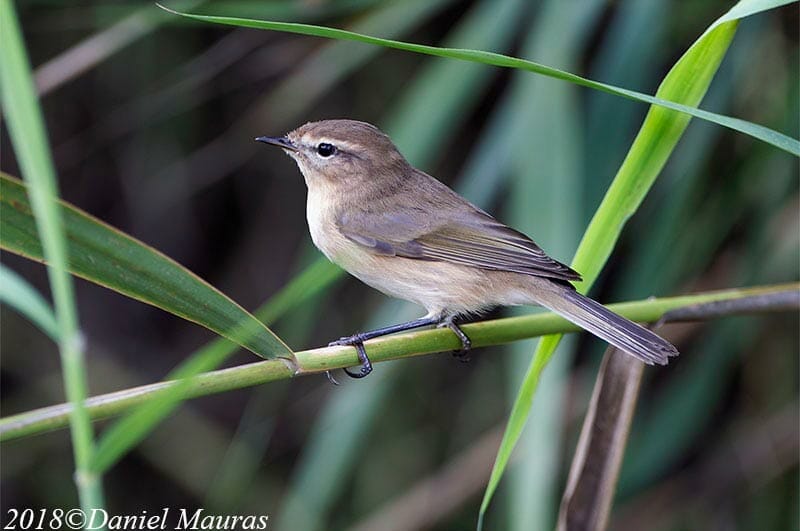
x=687, y=81
x=760, y=132
x=17, y=293
x=27, y=131
x=103, y=255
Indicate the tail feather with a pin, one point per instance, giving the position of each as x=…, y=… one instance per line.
x=607, y=325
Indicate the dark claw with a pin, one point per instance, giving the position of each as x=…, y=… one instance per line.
x=362, y=372
x=366, y=365
x=357, y=341
x=330, y=377
x=466, y=344
x=461, y=355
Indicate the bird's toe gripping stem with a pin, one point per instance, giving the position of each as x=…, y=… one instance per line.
x=357, y=341
x=466, y=345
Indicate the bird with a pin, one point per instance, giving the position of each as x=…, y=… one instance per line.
x=410, y=236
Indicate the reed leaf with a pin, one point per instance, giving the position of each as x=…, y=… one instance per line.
x=104, y=255
x=762, y=133
x=687, y=82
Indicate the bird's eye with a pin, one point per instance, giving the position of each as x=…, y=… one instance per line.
x=326, y=150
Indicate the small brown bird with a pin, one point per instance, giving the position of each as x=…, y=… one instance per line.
x=408, y=235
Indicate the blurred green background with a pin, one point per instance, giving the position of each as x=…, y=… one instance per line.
x=151, y=120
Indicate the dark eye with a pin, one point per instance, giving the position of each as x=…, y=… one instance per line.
x=326, y=150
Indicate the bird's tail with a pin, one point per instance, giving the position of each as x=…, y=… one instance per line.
x=626, y=335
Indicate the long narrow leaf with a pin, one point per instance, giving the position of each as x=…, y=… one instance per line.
x=28, y=135
x=765, y=134
x=687, y=81
x=103, y=255
x=544, y=201
x=119, y=439
x=17, y=293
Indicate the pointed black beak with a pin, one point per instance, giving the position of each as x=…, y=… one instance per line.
x=280, y=141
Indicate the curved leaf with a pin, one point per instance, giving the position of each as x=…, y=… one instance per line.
x=104, y=255
x=17, y=293
x=760, y=132
x=687, y=81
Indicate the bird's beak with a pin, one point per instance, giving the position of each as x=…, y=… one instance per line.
x=280, y=141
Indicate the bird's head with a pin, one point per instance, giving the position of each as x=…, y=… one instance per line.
x=341, y=153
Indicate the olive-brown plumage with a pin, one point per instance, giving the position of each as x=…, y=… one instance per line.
x=408, y=235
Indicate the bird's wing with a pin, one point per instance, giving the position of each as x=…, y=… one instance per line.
x=466, y=236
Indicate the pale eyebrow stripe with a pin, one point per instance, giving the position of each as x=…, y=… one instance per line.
x=341, y=144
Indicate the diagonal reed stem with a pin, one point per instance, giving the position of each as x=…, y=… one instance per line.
x=482, y=334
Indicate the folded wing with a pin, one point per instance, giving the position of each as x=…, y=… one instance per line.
x=465, y=236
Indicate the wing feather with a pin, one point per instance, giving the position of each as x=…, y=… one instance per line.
x=466, y=236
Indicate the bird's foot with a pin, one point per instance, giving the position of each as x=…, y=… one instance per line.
x=357, y=341
x=463, y=354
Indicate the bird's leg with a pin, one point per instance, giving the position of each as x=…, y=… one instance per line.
x=357, y=341
x=466, y=345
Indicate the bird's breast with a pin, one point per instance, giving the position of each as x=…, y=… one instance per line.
x=438, y=286
x=321, y=216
